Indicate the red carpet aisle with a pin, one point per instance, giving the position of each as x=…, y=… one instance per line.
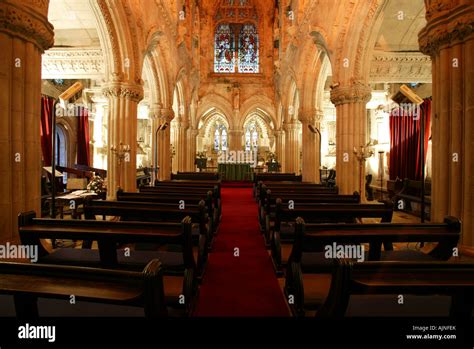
x=245, y=285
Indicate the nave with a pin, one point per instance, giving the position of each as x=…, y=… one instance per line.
x=280, y=248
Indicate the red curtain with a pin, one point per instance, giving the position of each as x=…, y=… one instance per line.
x=405, y=141
x=47, y=110
x=83, y=137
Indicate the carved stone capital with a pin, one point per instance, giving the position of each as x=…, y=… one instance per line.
x=166, y=114
x=446, y=23
x=123, y=90
x=27, y=20
x=356, y=92
x=290, y=126
x=311, y=117
x=279, y=133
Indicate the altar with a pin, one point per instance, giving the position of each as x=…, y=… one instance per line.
x=235, y=172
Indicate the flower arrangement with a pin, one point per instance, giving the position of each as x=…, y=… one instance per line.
x=96, y=185
x=201, y=155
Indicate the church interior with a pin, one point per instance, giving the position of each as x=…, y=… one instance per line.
x=237, y=158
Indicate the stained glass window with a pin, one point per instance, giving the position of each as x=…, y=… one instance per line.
x=224, y=139
x=224, y=61
x=220, y=138
x=216, y=139
x=236, y=54
x=248, y=49
x=247, y=140
x=251, y=137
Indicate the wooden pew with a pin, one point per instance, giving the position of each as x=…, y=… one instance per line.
x=27, y=282
x=196, y=175
x=267, y=208
x=301, y=188
x=311, y=240
x=411, y=192
x=275, y=177
x=203, y=193
x=176, y=201
x=320, y=213
x=406, y=278
x=188, y=186
x=153, y=212
x=180, y=272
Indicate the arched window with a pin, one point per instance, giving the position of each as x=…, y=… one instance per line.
x=236, y=46
x=251, y=137
x=236, y=53
x=220, y=138
x=248, y=49
x=224, y=61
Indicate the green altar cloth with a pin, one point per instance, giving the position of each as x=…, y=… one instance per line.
x=235, y=172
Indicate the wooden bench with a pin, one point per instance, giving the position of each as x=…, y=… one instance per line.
x=281, y=185
x=297, y=189
x=162, y=200
x=153, y=212
x=212, y=197
x=275, y=177
x=307, y=256
x=179, y=266
x=411, y=192
x=267, y=209
x=401, y=278
x=196, y=175
x=28, y=282
x=284, y=234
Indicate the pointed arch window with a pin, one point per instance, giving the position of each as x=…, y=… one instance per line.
x=248, y=49
x=224, y=57
x=220, y=138
x=251, y=137
x=236, y=49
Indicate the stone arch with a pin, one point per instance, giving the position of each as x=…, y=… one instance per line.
x=214, y=100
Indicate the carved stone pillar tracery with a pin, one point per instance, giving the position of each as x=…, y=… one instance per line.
x=311, y=120
x=351, y=127
x=122, y=128
x=280, y=148
x=25, y=34
x=449, y=39
x=292, y=147
x=164, y=144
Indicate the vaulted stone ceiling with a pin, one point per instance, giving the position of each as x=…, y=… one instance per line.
x=74, y=23
x=403, y=20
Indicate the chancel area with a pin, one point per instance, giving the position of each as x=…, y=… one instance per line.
x=237, y=158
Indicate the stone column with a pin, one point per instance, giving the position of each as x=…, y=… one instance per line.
x=181, y=143
x=164, y=142
x=449, y=39
x=351, y=127
x=191, y=148
x=25, y=34
x=235, y=140
x=292, y=150
x=122, y=128
x=280, y=148
x=311, y=144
